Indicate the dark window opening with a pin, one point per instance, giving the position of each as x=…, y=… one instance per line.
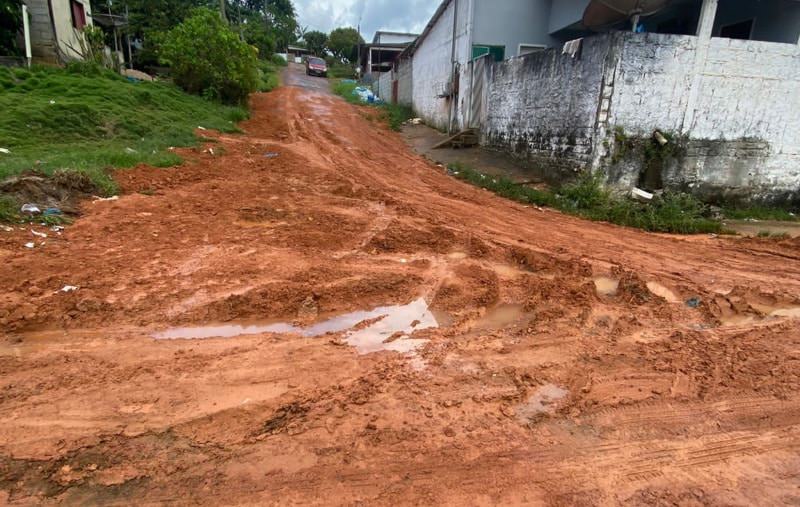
x=741, y=30
x=78, y=14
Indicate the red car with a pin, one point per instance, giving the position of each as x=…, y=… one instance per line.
x=316, y=67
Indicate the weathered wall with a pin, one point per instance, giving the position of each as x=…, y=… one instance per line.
x=405, y=81
x=383, y=87
x=733, y=113
x=543, y=108
x=433, y=64
x=738, y=113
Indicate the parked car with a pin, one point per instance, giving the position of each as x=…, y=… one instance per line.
x=316, y=67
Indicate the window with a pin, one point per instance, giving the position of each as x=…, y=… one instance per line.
x=498, y=52
x=741, y=30
x=78, y=14
x=526, y=49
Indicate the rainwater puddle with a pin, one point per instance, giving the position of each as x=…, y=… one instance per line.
x=606, y=286
x=661, y=291
x=769, y=311
x=501, y=316
x=386, y=328
x=542, y=401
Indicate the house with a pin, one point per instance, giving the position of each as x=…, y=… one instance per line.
x=297, y=53
x=56, y=28
x=721, y=78
x=378, y=57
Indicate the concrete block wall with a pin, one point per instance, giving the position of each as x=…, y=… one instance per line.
x=383, y=86
x=737, y=111
x=543, y=108
x=42, y=37
x=405, y=81
x=733, y=108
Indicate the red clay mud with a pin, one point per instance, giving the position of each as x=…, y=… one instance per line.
x=533, y=388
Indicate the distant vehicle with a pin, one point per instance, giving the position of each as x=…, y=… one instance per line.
x=316, y=67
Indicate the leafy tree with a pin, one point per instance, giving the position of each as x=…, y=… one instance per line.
x=343, y=43
x=206, y=57
x=316, y=41
x=10, y=26
x=256, y=33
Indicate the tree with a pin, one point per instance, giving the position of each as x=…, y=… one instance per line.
x=257, y=34
x=207, y=58
x=10, y=25
x=343, y=43
x=316, y=42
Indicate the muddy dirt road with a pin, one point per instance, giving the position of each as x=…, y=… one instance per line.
x=394, y=337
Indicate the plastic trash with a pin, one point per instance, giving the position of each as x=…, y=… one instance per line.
x=30, y=244
x=30, y=208
x=130, y=150
x=201, y=128
x=693, y=302
x=38, y=234
x=69, y=288
x=52, y=211
x=270, y=154
x=5, y=150
x=57, y=228
x=99, y=199
x=641, y=195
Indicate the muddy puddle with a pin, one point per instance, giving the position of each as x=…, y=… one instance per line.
x=543, y=401
x=770, y=312
x=382, y=328
x=502, y=316
x=606, y=286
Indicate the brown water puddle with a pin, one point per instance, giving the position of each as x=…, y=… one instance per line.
x=543, y=401
x=397, y=322
x=606, y=286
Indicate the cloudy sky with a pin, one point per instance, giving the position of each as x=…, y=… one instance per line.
x=393, y=15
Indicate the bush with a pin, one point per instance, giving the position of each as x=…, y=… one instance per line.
x=278, y=61
x=207, y=58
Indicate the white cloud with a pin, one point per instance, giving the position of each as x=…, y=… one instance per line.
x=393, y=15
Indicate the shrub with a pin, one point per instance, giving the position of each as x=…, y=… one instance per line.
x=207, y=58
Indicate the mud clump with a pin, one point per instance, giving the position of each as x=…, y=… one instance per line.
x=632, y=289
x=471, y=287
x=64, y=189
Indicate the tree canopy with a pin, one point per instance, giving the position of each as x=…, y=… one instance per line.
x=316, y=41
x=343, y=43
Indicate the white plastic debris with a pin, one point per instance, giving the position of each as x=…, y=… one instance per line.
x=201, y=128
x=57, y=228
x=30, y=208
x=6, y=228
x=99, y=199
x=68, y=288
x=130, y=150
x=39, y=234
x=5, y=150
x=638, y=193
x=30, y=245
x=52, y=101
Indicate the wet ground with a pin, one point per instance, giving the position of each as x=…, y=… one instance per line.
x=422, y=140
x=314, y=314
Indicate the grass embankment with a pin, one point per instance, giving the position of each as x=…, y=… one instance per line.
x=270, y=73
x=586, y=197
x=394, y=114
x=87, y=119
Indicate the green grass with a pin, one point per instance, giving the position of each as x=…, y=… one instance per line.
x=270, y=74
x=759, y=213
x=586, y=197
x=772, y=235
x=394, y=114
x=8, y=209
x=87, y=119
x=341, y=71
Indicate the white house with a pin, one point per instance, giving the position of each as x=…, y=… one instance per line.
x=56, y=28
x=723, y=76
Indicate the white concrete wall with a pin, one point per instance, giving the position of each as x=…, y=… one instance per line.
x=383, y=87
x=433, y=64
x=405, y=81
x=393, y=38
x=744, y=128
x=734, y=113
